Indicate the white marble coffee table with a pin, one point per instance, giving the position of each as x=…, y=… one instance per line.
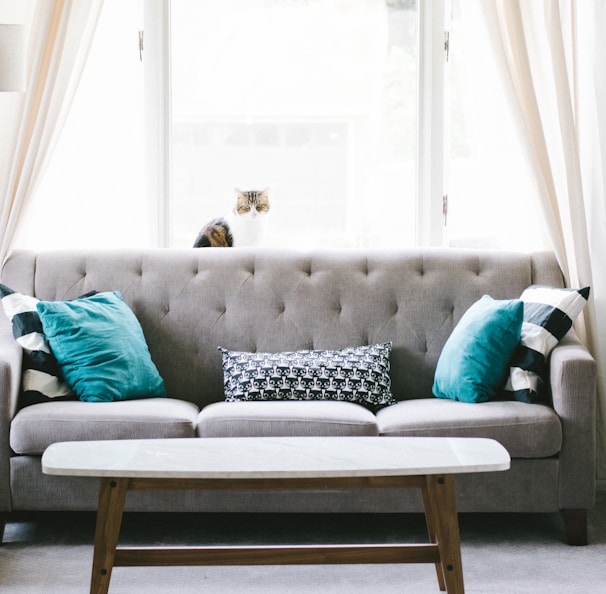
x=269, y=463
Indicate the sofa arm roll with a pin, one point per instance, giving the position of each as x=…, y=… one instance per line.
x=573, y=379
x=11, y=357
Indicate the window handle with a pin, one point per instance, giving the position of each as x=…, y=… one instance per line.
x=141, y=46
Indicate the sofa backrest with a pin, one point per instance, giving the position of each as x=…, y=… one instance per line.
x=190, y=302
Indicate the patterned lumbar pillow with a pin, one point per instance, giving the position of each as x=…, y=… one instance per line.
x=357, y=374
x=549, y=313
x=41, y=379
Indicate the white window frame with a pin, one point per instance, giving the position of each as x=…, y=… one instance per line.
x=433, y=141
x=156, y=52
x=432, y=144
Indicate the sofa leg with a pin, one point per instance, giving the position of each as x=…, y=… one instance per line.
x=3, y=516
x=575, y=524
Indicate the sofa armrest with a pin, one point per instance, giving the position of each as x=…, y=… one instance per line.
x=573, y=378
x=11, y=357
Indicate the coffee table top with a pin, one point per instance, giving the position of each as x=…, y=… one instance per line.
x=275, y=457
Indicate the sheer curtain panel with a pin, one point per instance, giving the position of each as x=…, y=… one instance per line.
x=58, y=43
x=556, y=69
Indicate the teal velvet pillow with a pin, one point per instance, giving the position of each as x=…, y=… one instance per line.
x=474, y=363
x=100, y=347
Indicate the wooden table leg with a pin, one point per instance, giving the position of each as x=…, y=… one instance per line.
x=112, y=493
x=443, y=522
x=433, y=538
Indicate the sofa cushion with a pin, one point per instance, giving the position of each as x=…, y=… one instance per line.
x=357, y=374
x=36, y=427
x=100, y=347
x=474, y=362
x=549, y=313
x=525, y=430
x=285, y=418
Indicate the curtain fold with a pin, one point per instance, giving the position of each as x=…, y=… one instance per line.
x=556, y=68
x=59, y=41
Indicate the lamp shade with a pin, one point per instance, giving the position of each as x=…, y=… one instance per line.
x=12, y=57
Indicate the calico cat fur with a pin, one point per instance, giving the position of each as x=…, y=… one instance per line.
x=241, y=227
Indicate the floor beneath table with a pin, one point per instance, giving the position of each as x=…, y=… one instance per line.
x=502, y=554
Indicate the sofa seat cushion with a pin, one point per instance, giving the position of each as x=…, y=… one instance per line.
x=285, y=418
x=35, y=427
x=525, y=430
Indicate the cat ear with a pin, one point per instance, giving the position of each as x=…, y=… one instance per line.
x=239, y=192
x=265, y=191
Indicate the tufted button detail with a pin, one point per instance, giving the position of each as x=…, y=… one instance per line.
x=306, y=268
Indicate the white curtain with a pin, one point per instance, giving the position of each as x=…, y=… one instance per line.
x=557, y=71
x=59, y=41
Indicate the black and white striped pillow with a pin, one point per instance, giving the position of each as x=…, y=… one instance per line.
x=41, y=378
x=549, y=313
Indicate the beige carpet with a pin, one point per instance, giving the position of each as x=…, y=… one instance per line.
x=502, y=554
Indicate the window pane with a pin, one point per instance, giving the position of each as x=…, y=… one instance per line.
x=314, y=99
x=492, y=189
x=92, y=194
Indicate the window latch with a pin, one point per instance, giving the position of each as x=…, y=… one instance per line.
x=447, y=44
x=140, y=46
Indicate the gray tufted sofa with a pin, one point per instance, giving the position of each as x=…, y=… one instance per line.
x=189, y=302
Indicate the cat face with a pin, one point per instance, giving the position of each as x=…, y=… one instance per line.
x=252, y=204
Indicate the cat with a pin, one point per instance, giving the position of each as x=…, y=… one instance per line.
x=243, y=226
